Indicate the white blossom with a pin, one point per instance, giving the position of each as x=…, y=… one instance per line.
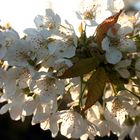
x=127, y=45
x=73, y=125
x=32, y=68
x=15, y=105
x=20, y=53
x=121, y=68
x=95, y=116
x=113, y=55
x=39, y=41
x=51, y=21
x=6, y=40
x=52, y=123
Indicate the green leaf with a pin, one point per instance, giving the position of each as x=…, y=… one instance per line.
x=116, y=81
x=83, y=66
x=95, y=85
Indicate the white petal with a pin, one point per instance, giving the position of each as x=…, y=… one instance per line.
x=29, y=107
x=5, y=108
x=73, y=125
x=113, y=56
x=123, y=64
x=124, y=73
x=84, y=137
x=127, y=45
x=54, y=127
x=31, y=32
x=45, y=125
x=39, y=21
x=19, y=53
x=105, y=44
x=9, y=88
x=15, y=113
x=3, y=51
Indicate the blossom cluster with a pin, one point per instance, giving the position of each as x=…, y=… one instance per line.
x=80, y=77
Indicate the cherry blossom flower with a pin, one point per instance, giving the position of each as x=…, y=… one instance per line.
x=127, y=45
x=15, y=78
x=52, y=123
x=20, y=53
x=6, y=40
x=113, y=55
x=34, y=79
x=121, y=68
x=73, y=125
x=14, y=105
x=51, y=21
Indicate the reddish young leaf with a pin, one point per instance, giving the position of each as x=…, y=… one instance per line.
x=81, y=67
x=104, y=27
x=95, y=85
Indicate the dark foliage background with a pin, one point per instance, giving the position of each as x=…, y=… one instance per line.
x=17, y=130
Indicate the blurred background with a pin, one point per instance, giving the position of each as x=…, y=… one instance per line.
x=17, y=130
x=21, y=13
